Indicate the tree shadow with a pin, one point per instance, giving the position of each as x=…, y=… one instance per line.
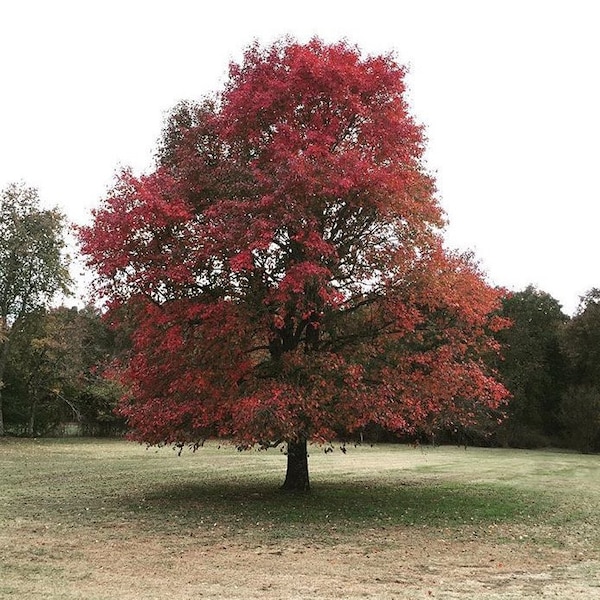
x=341, y=506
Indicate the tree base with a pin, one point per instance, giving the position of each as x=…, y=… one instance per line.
x=296, y=477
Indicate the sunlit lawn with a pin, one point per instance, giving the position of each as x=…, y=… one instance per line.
x=106, y=519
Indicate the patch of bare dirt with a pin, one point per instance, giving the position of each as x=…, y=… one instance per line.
x=400, y=563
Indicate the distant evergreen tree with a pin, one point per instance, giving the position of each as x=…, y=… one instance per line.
x=580, y=405
x=533, y=369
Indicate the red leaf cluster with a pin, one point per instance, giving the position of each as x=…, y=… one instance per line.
x=282, y=271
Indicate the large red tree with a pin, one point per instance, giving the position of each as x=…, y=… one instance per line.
x=282, y=270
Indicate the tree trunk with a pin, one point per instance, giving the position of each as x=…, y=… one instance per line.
x=296, y=477
x=31, y=424
x=1, y=412
x=3, y=361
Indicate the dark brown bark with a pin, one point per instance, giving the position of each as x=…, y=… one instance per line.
x=3, y=361
x=31, y=424
x=1, y=413
x=296, y=477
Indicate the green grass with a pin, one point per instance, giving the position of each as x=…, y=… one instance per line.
x=71, y=483
x=96, y=519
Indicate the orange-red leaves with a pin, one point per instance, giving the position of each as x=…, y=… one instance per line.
x=282, y=273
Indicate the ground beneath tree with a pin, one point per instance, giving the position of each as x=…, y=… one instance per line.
x=91, y=520
x=401, y=563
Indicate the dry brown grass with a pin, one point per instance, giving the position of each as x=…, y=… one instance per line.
x=111, y=520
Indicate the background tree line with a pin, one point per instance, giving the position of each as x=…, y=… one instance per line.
x=52, y=359
x=552, y=368
x=550, y=364
x=54, y=382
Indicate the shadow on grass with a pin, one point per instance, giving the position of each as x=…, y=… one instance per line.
x=345, y=507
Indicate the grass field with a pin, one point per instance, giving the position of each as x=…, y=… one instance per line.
x=90, y=519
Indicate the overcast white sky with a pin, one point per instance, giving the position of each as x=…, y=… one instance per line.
x=508, y=91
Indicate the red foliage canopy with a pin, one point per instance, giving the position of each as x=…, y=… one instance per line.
x=282, y=270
